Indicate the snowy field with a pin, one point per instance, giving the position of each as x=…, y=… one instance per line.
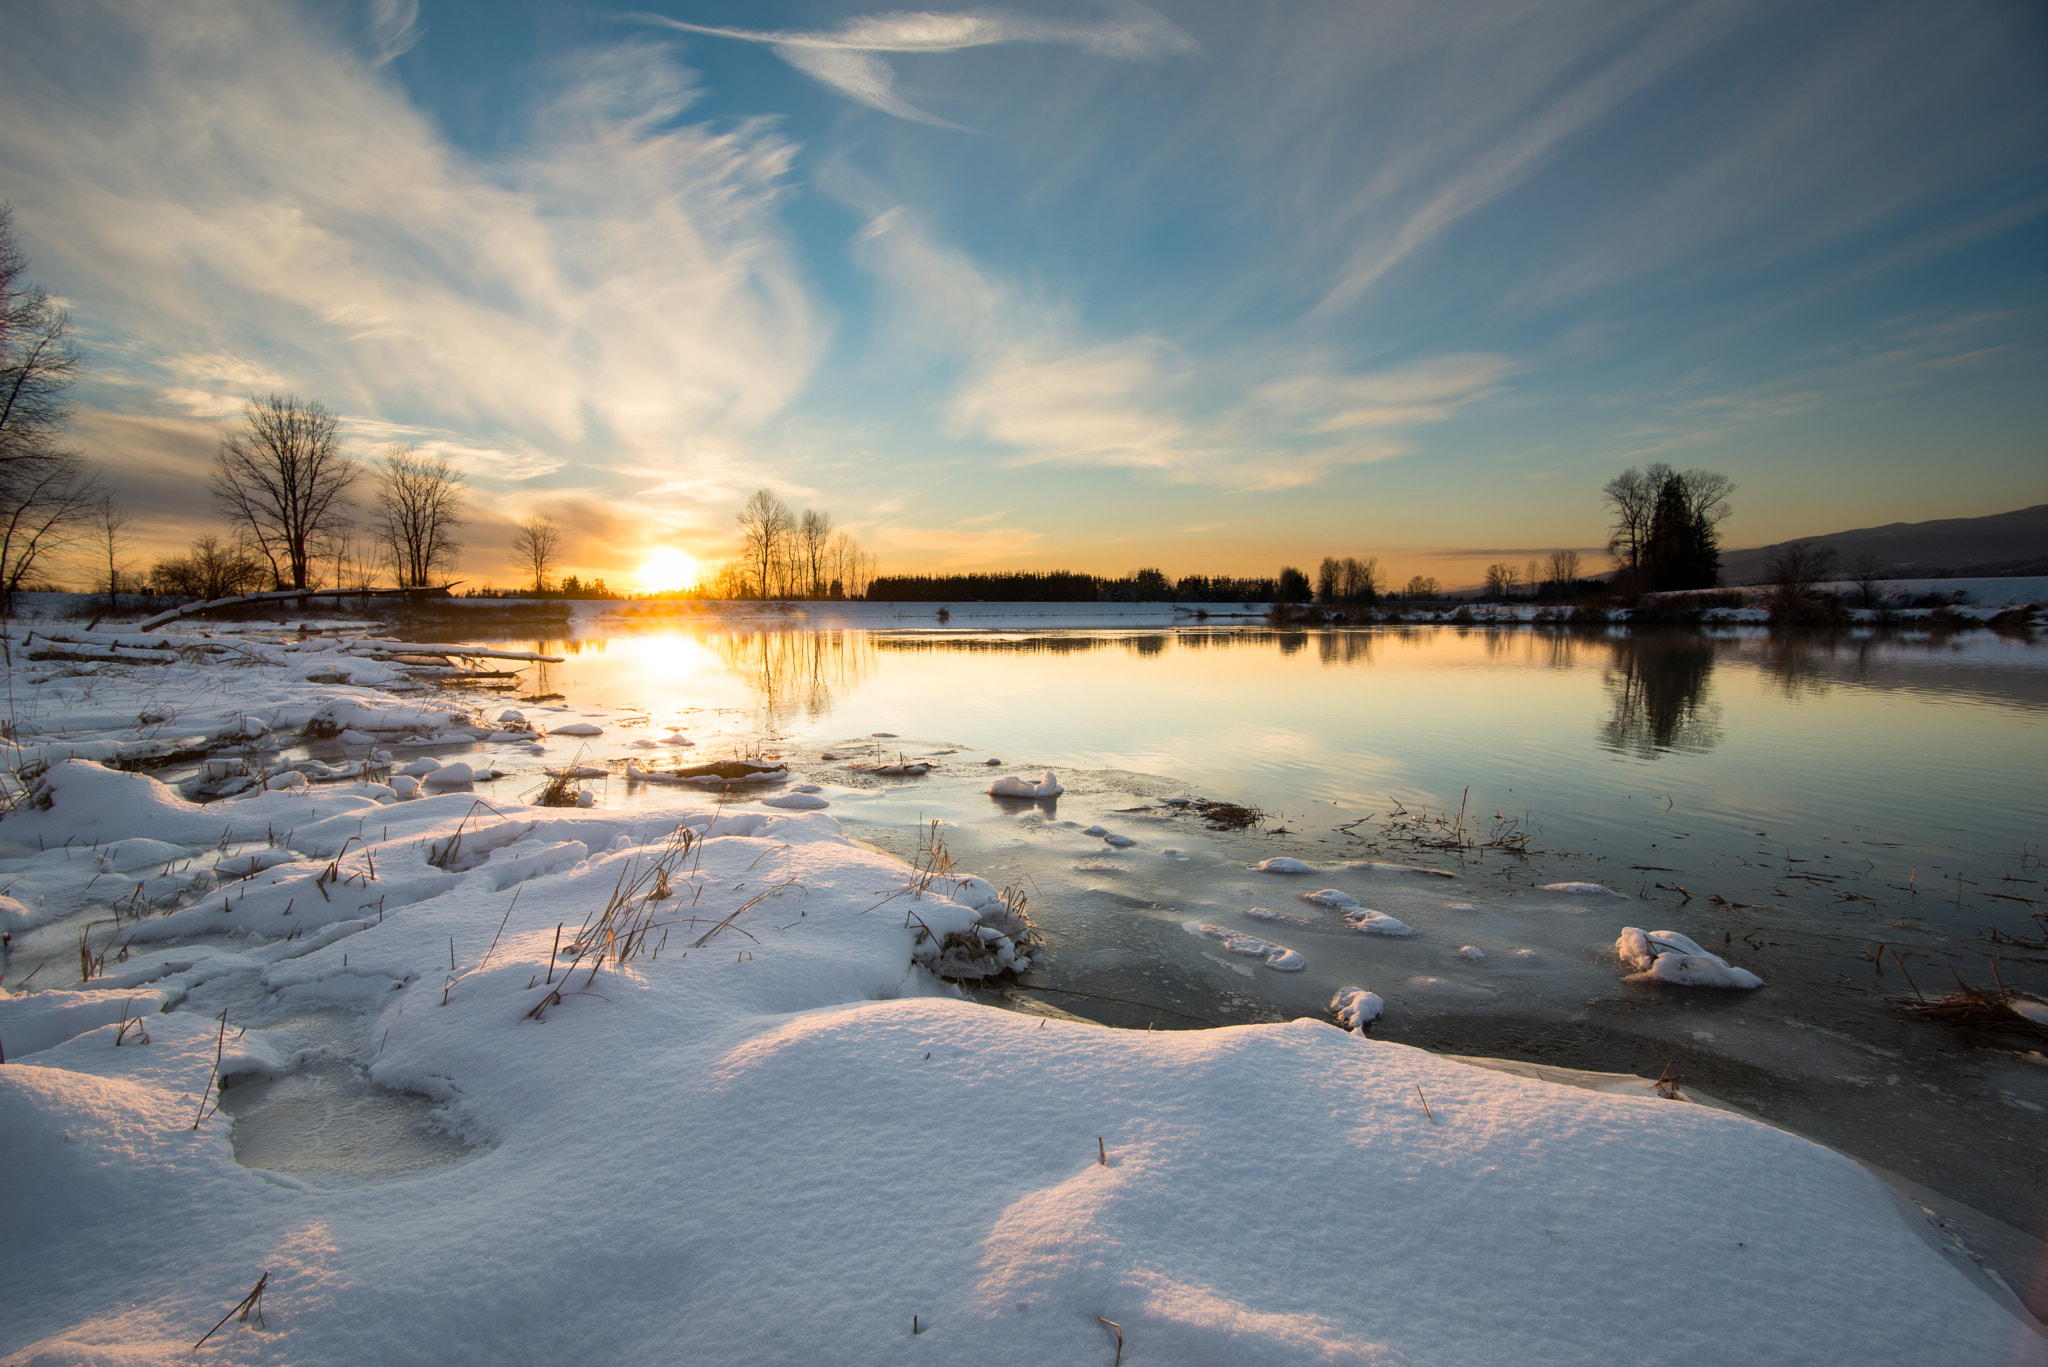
x=467, y=1080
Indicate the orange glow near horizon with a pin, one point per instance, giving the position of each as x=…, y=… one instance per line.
x=668, y=569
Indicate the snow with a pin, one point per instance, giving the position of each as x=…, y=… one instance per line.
x=1377, y=866
x=1282, y=864
x=1355, y=1008
x=1360, y=917
x=1277, y=957
x=1011, y=786
x=796, y=802
x=1118, y=840
x=1667, y=956
x=1581, y=889
x=579, y=728
x=773, y=1136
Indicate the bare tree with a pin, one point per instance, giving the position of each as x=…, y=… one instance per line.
x=47, y=490
x=1421, y=587
x=1631, y=496
x=765, y=524
x=211, y=569
x=1867, y=571
x=281, y=480
x=813, y=537
x=1793, y=569
x=419, y=506
x=1562, y=570
x=110, y=537
x=538, y=543
x=1501, y=579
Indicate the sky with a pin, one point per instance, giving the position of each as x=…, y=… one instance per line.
x=1092, y=284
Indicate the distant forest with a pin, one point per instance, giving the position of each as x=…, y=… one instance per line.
x=1068, y=586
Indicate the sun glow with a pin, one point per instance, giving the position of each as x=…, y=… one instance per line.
x=667, y=569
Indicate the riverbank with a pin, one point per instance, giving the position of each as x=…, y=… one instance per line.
x=747, y=1126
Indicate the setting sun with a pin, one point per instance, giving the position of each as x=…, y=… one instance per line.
x=667, y=569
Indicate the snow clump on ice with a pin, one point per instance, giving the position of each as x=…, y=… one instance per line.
x=1376, y=866
x=1276, y=917
x=1580, y=889
x=798, y=802
x=1282, y=864
x=1670, y=957
x=1362, y=918
x=1356, y=1008
x=1277, y=957
x=1011, y=786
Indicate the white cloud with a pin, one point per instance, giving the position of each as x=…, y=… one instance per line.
x=1032, y=384
x=845, y=58
x=212, y=182
x=394, y=28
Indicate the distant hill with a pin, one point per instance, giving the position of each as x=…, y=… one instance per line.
x=2001, y=544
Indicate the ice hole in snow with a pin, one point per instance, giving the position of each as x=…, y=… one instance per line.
x=333, y=1127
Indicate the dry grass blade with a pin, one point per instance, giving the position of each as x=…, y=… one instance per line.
x=1119, y=1361
x=251, y=1304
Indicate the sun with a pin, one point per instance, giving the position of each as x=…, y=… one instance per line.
x=667, y=569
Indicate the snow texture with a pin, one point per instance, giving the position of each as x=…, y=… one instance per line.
x=780, y=1137
x=1282, y=864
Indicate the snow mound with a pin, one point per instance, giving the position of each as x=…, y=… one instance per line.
x=579, y=728
x=1472, y=952
x=1366, y=921
x=1356, y=1008
x=1282, y=864
x=1011, y=786
x=452, y=776
x=799, y=802
x=1667, y=956
x=1334, y=898
x=1580, y=889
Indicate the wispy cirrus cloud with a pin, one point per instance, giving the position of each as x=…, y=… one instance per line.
x=1250, y=419
x=235, y=204
x=849, y=58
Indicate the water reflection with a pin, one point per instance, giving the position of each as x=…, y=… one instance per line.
x=796, y=671
x=1657, y=686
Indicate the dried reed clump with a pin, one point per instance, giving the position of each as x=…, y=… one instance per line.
x=1001, y=940
x=1227, y=816
x=559, y=791
x=1973, y=1008
x=624, y=928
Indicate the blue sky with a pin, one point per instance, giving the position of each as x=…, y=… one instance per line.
x=1209, y=286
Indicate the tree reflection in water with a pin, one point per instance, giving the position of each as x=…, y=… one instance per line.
x=1658, y=685
x=795, y=670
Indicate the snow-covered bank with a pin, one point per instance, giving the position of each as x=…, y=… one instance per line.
x=758, y=1132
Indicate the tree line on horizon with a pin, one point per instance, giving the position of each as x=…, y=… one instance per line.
x=285, y=491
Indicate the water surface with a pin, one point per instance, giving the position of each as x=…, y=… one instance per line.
x=1815, y=807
